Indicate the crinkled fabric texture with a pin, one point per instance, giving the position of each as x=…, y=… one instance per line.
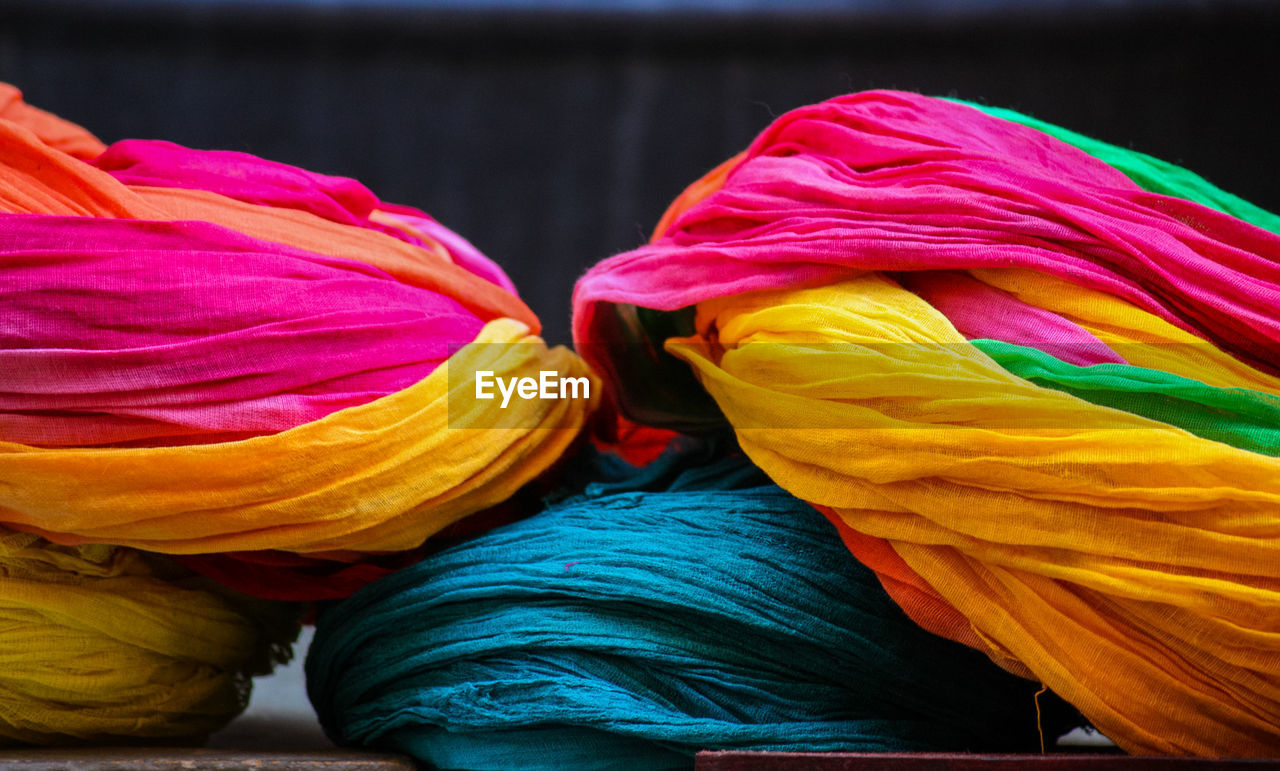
x=239, y=326
x=1036, y=398
x=688, y=606
x=207, y=352
x=278, y=575
x=102, y=644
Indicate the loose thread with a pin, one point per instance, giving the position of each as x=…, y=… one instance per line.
x=1039, y=724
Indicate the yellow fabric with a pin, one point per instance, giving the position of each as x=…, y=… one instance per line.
x=379, y=477
x=1142, y=579
x=99, y=643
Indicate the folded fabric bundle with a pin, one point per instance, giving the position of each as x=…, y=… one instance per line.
x=102, y=644
x=1035, y=389
x=208, y=352
x=689, y=606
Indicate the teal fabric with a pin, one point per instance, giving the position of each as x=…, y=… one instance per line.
x=1249, y=420
x=690, y=605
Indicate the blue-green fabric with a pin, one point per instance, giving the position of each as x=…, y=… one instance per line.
x=681, y=608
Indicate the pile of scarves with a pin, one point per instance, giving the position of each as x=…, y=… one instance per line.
x=688, y=605
x=255, y=369
x=1006, y=400
x=1031, y=377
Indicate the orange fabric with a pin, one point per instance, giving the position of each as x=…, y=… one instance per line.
x=433, y=246
x=55, y=132
x=38, y=179
x=913, y=594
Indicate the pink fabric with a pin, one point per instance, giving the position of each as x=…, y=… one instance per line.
x=980, y=311
x=125, y=331
x=892, y=181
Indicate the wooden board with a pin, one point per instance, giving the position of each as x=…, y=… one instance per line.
x=170, y=759
x=851, y=761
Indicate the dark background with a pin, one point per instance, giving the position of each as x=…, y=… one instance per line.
x=553, y=136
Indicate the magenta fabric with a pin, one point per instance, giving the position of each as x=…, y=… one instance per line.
x=892, y=181
x=244, y=177
x=125, y=331
x=977, y=310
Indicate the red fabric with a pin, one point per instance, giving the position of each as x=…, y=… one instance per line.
x=637, y=444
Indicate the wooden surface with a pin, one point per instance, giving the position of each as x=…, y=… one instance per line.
x=171, y=759
x=787, y=761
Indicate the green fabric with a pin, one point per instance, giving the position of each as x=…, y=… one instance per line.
x=1239, y=417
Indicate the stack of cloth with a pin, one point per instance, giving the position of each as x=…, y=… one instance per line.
x=1031, y=377
x=245, y=366
x=996, y=409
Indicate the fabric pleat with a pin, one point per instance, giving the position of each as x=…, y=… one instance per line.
x=195, y=333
